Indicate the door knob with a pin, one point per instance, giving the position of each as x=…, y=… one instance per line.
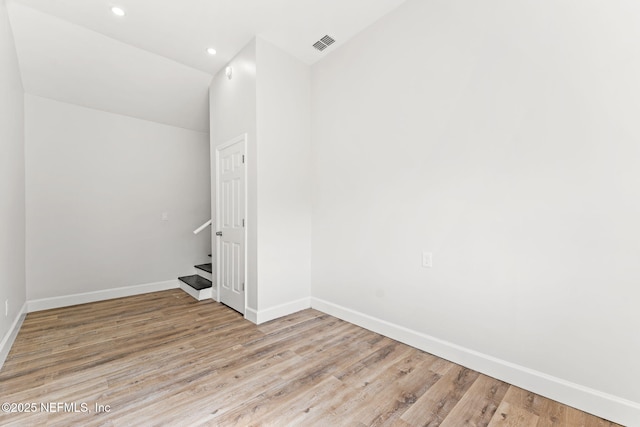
x=218, y=233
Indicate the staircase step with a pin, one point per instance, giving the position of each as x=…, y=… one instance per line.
x=206, y=267
x=196, y=282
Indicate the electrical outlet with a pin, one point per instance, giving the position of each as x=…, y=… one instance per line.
x=427, y=259
x=164, y=216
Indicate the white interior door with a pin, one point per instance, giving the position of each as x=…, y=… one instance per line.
x=230, y=222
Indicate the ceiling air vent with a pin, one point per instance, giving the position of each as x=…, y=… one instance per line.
x=324, y=43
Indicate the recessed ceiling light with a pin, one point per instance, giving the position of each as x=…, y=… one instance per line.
x=211, y=51
x=117, y=11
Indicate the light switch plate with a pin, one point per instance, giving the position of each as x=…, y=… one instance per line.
x=427, y=259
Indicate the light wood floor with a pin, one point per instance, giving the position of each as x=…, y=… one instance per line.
x=165, y=359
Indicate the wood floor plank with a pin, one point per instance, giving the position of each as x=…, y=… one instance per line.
x=549, y=413
x=512, y=416
x=385, y=386
x=312, y=374
x=413, y=379
x=478, y=405
x=166, y=359
x=434, y=406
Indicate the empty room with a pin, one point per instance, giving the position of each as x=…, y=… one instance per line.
x=320, y=213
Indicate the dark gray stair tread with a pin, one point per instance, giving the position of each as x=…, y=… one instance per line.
x=196, y=282
x=206, y=267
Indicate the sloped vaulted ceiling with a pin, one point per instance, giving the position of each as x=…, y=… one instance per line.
x=70, y=63
x=152, y=63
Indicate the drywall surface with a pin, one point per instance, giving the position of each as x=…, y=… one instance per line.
x=284, y=200
x=233, y=113
x=70, y=63
x=268, y=98
x=502, y=137
x=12, y=187
x=98, y=185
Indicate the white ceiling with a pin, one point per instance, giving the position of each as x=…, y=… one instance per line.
x=152, y=63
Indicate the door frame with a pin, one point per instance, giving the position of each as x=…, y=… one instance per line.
x=240, y=139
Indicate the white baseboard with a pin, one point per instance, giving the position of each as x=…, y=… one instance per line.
x=12, y=333
x=251, y=315
x=604, y=405
x=262, y=316
x=75, y=299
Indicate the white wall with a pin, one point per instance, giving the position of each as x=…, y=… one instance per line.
x=269, y=99
x=233, y=113
x=503, y=137
x=97, y=184
x=12, y=188
x=284, y=201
